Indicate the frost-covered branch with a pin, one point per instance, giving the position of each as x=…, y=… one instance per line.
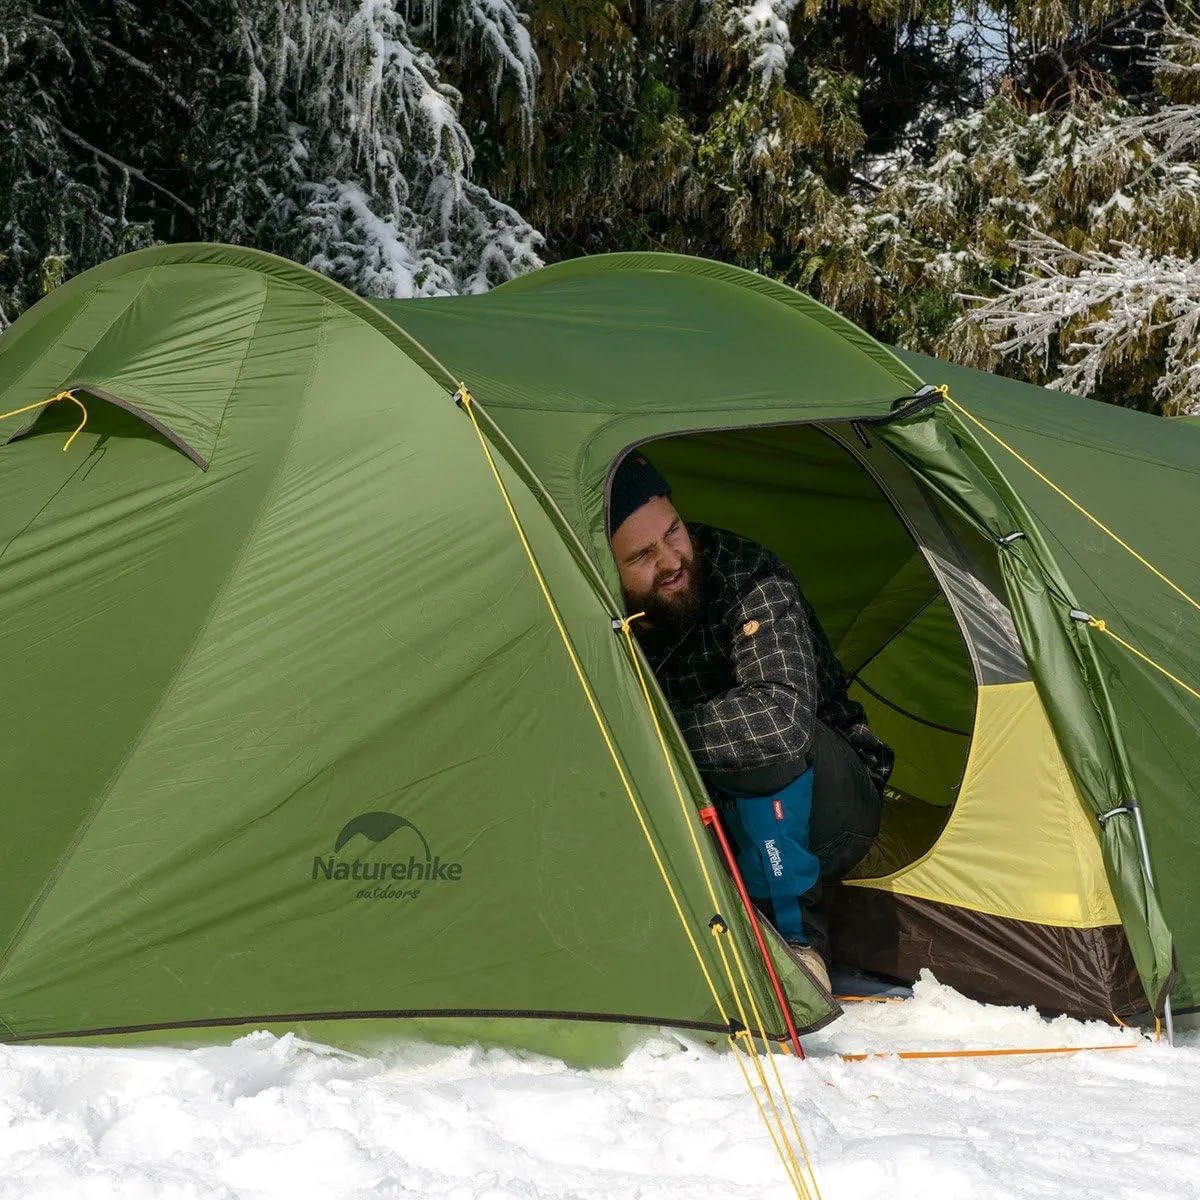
x=1179, y=52
x=131, y=61
x=370, y=156
x=503, y=32
x=760, y=30
x=1099, y=309
x=1175, y=127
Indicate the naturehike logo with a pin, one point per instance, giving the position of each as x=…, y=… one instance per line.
x=774, y=857
x=377, y=827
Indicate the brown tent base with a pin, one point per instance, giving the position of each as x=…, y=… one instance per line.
x=1081, y=972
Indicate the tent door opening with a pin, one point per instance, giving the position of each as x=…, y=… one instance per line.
x=898, y=583
x=987, y=868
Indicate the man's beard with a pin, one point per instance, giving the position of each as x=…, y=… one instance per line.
x=671, y=611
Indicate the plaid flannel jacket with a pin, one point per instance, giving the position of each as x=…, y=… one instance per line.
x=747, y=679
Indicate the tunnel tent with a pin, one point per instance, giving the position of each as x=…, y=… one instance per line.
x=292, y=739
x=272, y=600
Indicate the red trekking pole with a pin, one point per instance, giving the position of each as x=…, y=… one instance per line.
x=711, y=818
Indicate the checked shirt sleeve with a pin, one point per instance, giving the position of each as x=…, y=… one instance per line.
x=769, y=714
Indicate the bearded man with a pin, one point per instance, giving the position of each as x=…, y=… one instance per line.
x=760, y=699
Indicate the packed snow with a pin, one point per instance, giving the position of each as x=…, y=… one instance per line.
x=273, y=1117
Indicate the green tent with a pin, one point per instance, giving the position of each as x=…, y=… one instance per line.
x=307, y=727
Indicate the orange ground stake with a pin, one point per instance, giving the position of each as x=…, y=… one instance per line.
x=981, y=1053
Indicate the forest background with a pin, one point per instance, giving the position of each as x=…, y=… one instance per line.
x=1013, y=185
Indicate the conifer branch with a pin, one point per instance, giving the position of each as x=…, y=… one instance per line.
x=132, y=171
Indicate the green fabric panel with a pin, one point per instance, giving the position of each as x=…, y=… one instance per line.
x=704, y=268
x=377, y=644
x=112, y=554
x=36, y=357
x=653, y=333
x=1140, y=475
x=919, y=693
x=183, y=376
x=901, y=599
x=584, y=1044
x=584, y=359
x=924, y=670
x=930, y=762
x=77, y=293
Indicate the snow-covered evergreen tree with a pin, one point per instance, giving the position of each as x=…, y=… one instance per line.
x=320, y=129
x=1117, y=308
x=725, y=128
x=346, y=150
x=1053, y=232
x=52, y=214
x=1015, y=182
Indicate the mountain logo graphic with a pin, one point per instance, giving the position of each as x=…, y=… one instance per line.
x=377, y=827
x=374, y=877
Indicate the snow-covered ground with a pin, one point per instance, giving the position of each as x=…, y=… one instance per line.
x=269, y=1117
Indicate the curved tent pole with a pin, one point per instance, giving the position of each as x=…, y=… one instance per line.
x=1042, y=564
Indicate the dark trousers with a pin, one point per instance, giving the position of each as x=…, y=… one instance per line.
x=796, y=825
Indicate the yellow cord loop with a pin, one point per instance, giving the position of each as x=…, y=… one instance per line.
x=780, y=1140
x=945, y=392
x=16, y=412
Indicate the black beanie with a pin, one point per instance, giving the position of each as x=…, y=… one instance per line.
x=636, y=481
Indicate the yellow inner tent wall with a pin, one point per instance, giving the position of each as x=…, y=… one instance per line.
x=1018, y=843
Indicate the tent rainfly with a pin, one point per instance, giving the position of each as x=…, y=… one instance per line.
x=305, y=728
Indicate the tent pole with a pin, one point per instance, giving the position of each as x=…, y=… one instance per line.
x=1145, y=847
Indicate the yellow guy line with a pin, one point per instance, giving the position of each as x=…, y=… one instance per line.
x=689, y=820
x=945, y=391
x=16, y=412
x=1096, y=623
x=468, y=402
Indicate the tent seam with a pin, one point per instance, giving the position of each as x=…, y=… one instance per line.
x=268, y=283
x=88, y=302
x=28, y=524
x=36, y=903
x=1092, y=447
x=150, y=273
x=216, y=254
x=20, y=380
x=402, y=1014
x=1134, y=891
